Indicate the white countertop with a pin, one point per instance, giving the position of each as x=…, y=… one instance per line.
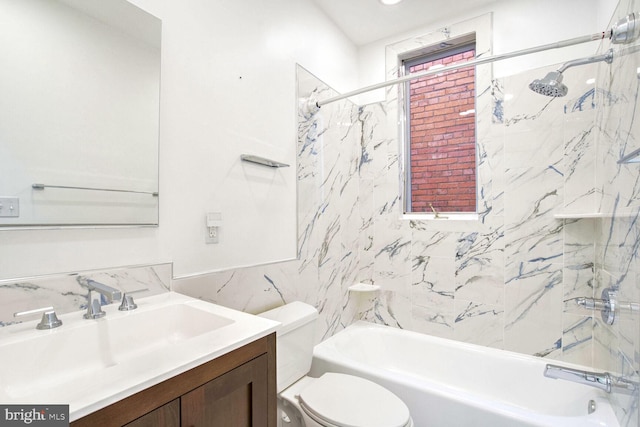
x=94, y=371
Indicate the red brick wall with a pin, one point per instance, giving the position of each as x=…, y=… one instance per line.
x=443, y=157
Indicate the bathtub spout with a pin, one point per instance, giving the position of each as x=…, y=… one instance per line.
x=603, y=381
x=593, y=379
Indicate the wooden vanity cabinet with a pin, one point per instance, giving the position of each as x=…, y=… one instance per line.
x=237, y=389
x=167, y=415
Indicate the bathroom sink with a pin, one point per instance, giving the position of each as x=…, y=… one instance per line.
x=85, y=363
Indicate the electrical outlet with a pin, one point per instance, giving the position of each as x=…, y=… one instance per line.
x=213, y=222
x=211, y=235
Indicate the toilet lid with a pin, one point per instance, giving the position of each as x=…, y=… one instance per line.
x=349, y=401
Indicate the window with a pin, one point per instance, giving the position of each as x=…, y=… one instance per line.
x=441, y=131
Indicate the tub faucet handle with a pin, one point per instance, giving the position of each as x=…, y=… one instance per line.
x=607, y=305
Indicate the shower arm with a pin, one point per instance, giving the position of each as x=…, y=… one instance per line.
x=606, y=57
x=478, y=61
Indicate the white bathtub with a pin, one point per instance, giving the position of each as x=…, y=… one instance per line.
x=446, y=383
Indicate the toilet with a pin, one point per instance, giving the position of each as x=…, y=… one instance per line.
x=332, y=400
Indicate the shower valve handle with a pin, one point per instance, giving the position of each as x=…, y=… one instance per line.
x=607, y=305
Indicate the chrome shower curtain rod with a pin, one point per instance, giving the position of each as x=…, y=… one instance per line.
x=478, y=61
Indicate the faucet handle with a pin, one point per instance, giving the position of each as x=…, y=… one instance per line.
x=49, y=318
x=608, y=305
x=127, y=303
x=94, y=309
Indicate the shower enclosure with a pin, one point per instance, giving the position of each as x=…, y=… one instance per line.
x=556, y=220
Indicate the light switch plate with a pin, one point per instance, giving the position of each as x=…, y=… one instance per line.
x=9, y=207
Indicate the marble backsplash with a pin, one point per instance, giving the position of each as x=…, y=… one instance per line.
x=68, y=292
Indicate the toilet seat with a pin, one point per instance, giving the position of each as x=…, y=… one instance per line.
x=339, y=400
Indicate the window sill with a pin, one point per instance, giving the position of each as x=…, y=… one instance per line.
x=440, y=217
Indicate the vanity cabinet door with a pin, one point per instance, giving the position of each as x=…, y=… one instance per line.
x=235, y=399
x=165, y=416
x=236, y=389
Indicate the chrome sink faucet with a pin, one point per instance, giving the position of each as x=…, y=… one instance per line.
x=94, y=306
x=603, y=381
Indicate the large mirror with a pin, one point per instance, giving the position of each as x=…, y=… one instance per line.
x=79, y=113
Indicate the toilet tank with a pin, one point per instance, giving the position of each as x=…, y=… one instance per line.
x=294, y=340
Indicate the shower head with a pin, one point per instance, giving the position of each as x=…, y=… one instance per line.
x=550, y=85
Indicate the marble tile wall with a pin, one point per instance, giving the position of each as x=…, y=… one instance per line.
x=497, y=281
x=617, y=346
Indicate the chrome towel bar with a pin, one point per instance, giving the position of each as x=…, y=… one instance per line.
x=43, y=186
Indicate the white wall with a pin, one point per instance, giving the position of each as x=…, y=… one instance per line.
x=517, y=25
x=228, y=87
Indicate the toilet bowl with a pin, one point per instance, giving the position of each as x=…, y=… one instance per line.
x=332, y=400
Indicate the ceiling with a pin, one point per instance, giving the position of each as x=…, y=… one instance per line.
x=365, y=21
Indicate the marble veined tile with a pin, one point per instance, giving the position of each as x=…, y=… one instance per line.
x=479, y=323
x=392, y=248
x=438, y=321
x=621, y=236
x=533, y=308
x=497, y=92
x=391, y=308
x=432, y=279
x=579, y=263
x=490, y=173
x=375, y=141
x=479, y=267
x=539, y=143
x=532, y=197
x=429, y=242
x=579, y=163
x=605, y=353
x=577, y=340
x=366, y=229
